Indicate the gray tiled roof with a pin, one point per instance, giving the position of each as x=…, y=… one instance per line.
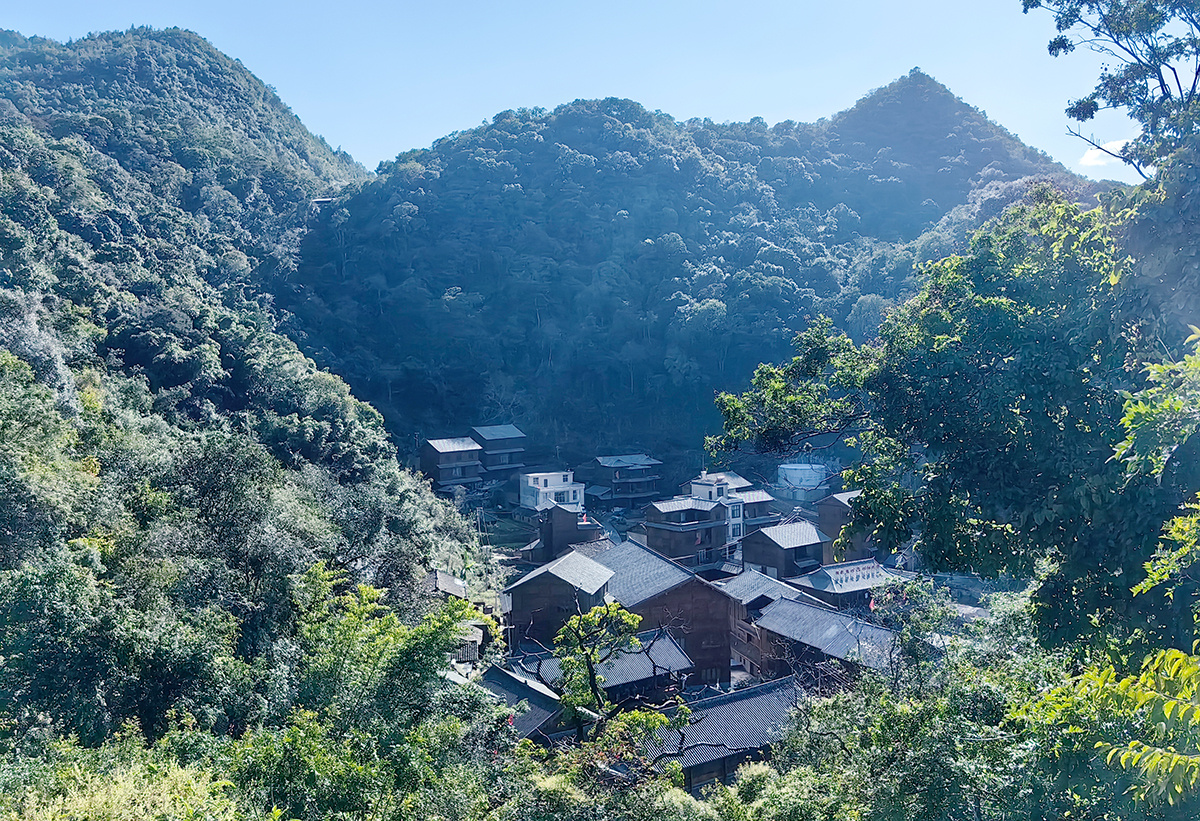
x=639, y=573
x=842, y=498
x=834, y=634
x=660, y=655
x=798, y=534
x=455, y=445
x=513, y=688
x=750, y=585
x=573, y=568
x=848, y=577
x=752, y=496
x=684, y=503
x=741, y=722
x=631, y=460
x=490, y=432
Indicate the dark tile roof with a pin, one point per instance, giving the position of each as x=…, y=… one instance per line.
x=573, y=568
x=798, y=534
x=498, y=432
x=848, y=577
x=443, y=582
x=835, y=634
x=842, y=499
x=455, y=445
x=737, y=723
x=752, y=496
x=660, y=655
x=513, y=689
x=639, y=573
x=750, y=585
x=684, y=503
x=631, y=460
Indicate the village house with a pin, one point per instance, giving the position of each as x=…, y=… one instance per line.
x=783, y=551
x=797, y=637
x=538, y=491
x=537, y=710
x=452, y=462
x=559, y=528
x=833, y=514
x=669, y=596
x=657, y=669
x=623, y=481
x=749, y=593
x=749, y=509
x=848, y=585
x=539, y=603
x=503, y=450
x=693, y=532
x=723, y=732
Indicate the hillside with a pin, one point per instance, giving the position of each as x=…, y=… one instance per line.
x=596, y=270
x=168, y=463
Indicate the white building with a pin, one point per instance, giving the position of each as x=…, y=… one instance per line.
x=542, y=490
x=749, y=510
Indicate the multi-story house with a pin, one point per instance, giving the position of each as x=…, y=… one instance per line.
x=539, y=491
x=693, y=532
x=503, y=450
x=749, y=509
x=833, y=514
x=784, y=551
x=624, y=481
x=452, y=462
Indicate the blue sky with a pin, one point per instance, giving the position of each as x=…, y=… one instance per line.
x=379, y=78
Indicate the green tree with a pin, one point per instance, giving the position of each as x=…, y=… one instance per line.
x=1152, y=69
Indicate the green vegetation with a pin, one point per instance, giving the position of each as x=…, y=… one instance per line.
x=209, y=553
x=590, y=270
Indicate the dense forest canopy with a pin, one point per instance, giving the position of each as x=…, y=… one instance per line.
x=587, y=271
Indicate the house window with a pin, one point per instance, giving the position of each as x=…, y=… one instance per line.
x=735, y=511
x=456, y=473
x=502, y=459
x=560, y=496
x=545, y=483
x=737, y=531
x=564, y=479
x=574, y=495
x=720, y=491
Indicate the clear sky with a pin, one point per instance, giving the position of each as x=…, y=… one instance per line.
x=377, y=78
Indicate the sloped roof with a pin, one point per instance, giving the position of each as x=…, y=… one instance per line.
x=847, y=577
x=660, y=655
x=454, y=445
x=743, y=721
x=797, y=534
x=631, y=460
x=441, y=581
x=513, y=688
x=752, y=496
x=684, y=503
x=750, y=585
x=490, y=432
x=639, y=573
x=842, y=499
x=573, y=568
x=835, y=634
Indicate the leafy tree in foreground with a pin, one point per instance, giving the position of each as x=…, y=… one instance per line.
x=987, y=416
x=1154, y=46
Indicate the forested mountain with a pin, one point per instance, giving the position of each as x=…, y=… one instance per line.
x=596, y=270
x=167, y=461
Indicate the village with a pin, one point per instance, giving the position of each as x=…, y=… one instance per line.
x=745, y=606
